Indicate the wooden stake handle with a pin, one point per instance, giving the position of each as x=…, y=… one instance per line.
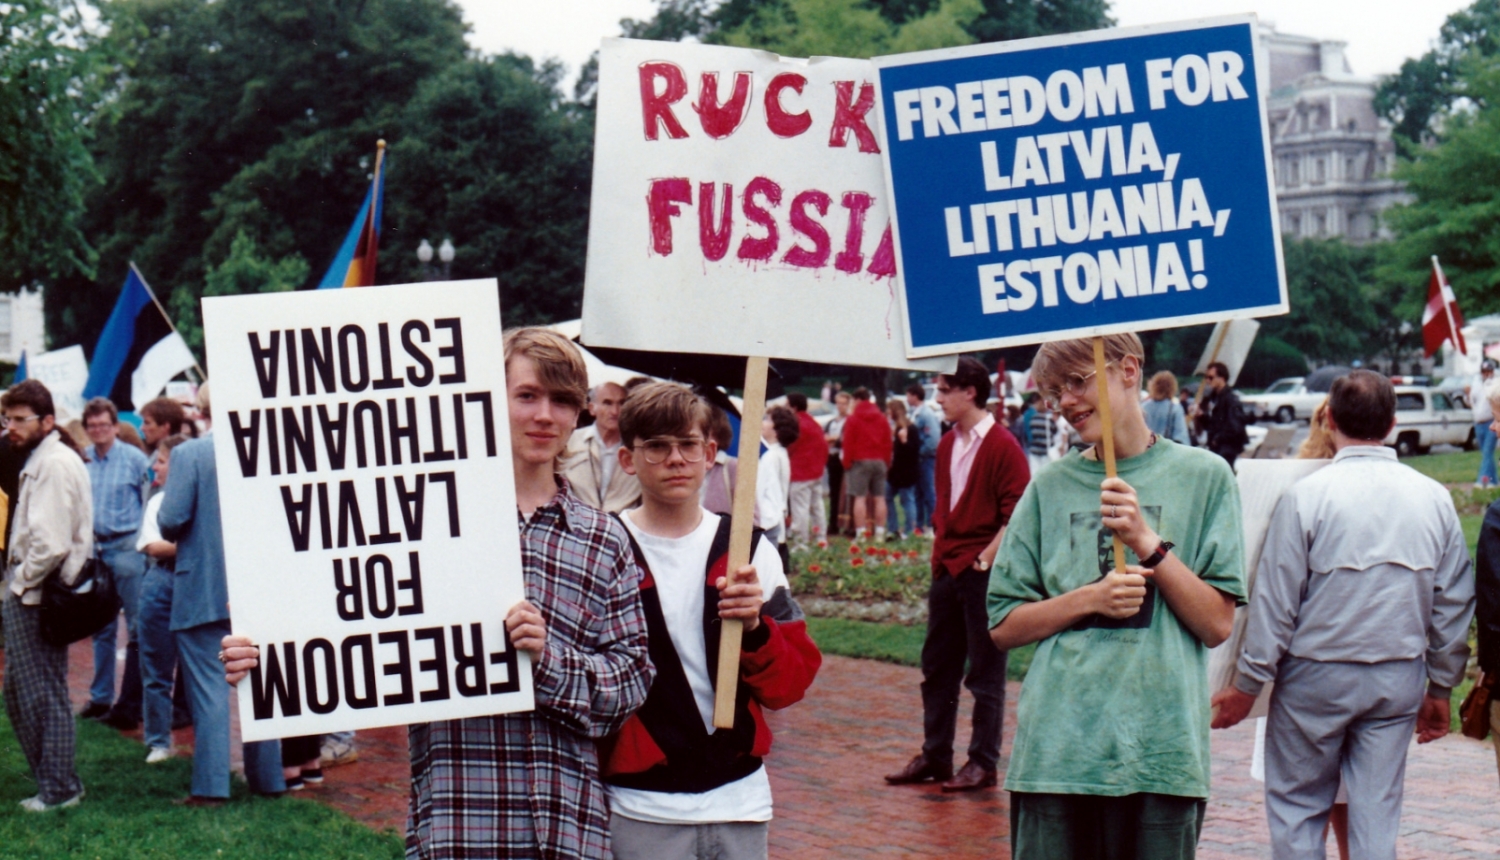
x=1107, y=424
x=752, y=411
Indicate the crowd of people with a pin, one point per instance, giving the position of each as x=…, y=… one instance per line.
x=1357, y=621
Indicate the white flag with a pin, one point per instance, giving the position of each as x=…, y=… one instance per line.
x=164, y=360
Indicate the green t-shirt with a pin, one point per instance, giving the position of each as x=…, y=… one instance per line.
x=1116, y=707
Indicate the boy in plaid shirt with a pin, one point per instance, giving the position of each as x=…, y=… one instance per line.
x=527, y=785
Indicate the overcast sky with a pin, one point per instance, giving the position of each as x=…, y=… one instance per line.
x=1380, y=33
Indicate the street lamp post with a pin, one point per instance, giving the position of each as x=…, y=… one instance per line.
x=445, y=254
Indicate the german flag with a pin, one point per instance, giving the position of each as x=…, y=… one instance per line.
x=355, y=264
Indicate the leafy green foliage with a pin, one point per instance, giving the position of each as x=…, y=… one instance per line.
x=1455, y=211
x=1420, y=97
x=244, y=271
x=495, y=160
x=258, y=116
x=1325, y=280
x=47, y=90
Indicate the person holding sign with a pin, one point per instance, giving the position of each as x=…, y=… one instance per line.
x=1112, y=745
x=527, y=784
x=981, y=473
x=675, y=783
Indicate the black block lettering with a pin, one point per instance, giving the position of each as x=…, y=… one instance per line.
x=438, y=664
x=400, y=668
x=367, y=666
x=330, y=673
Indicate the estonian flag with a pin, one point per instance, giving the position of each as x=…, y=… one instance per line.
x=355, y=264
x=143, y=341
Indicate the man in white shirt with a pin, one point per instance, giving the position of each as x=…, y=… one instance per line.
x=1479, y=402
x=678, y=787
x=591, y=463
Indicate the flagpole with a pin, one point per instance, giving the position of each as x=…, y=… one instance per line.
x=164, y=315
x=1457, y=338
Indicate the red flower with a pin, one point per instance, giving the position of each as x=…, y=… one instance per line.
x=822, y=544
x=815, y=568
x=913, y=554
x=889, y=560
x=854, y=549
x=858, y=562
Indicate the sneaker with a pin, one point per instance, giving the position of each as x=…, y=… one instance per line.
x=337, y=752
x=158, y=754
x=36, y=804
x=294, y=783
x=312, y=775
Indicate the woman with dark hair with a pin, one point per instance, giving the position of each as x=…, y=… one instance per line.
x=901, y=483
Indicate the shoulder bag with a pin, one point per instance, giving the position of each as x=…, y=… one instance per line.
x=73, y=612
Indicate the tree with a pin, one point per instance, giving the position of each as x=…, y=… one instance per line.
x=47, y=90
x=494, y=159
x=1455, y=210
x=244, y=271
x=1420, y=97
x=254, y=116
x=1329, y=283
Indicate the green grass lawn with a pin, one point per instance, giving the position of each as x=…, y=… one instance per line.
x=127, y=814
x=892, y=643
x=1455, y=468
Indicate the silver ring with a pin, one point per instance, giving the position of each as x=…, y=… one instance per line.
x=1114, y=511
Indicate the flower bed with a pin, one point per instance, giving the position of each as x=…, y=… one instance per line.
x=897, y=572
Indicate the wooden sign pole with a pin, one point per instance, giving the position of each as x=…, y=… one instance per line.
x=752, y=411
x=1106, y=420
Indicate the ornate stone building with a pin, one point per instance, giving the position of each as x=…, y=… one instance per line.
x=1333, y=154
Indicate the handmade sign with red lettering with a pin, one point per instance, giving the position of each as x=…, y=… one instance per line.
x=739, y=208
x=368, y=505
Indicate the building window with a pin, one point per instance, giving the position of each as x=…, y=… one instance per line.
x=1320, y=168
x=1294, y=224
x=1349, y=168
x=1320, y=224
x=1292, y=171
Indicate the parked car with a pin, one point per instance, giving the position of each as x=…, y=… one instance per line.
x=1427, y=417
x=1286, y=400
x=1454, y=387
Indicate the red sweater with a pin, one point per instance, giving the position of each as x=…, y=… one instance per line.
x=867, y=435
x=809, y=454
x=996, y=481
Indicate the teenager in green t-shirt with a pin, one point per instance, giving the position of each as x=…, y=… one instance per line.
x=1111, y=753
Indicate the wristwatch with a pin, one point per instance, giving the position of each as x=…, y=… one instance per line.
x=1159, y=556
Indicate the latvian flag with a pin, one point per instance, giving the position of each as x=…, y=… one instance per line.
x=139, y=338
x=355, y=264
x=1441, y=319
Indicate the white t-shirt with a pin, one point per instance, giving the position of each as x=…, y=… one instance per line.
x=1479, y=399
x=679, y=566
x=150, y=531
x=773, y=483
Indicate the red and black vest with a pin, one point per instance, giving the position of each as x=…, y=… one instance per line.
x=678, y=754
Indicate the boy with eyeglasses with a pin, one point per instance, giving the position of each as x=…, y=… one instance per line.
x=678, y=787
x=1111, y=747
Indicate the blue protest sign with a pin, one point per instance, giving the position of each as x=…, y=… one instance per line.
x=1111, y=181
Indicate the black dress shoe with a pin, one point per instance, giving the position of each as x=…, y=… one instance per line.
x=118, y=720
x=95, y=711
x=920, y=769
x=971, y=777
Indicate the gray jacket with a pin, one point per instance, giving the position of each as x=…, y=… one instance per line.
x=190, y=517
x=1364, y=562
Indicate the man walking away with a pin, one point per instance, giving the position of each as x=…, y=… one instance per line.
x=809, y=457
x=118, y=474
x=981, y=474
x=52, y=535
x=592, y=461
x=867, y=456
x=1222, y=416
x=1363, y=599
x=929, y=428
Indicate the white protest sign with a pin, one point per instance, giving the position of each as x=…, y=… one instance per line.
x=1229, y=343
x=364, y=473
x=65, y=372
x=739, y=208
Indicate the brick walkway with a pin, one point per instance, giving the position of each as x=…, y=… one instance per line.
x=862, y=719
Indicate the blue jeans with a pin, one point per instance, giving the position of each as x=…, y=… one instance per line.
x=926, y=490
x=208, y=696
x=158, y=654
x=1486, y=439
x=120, y=556
x=905, y=499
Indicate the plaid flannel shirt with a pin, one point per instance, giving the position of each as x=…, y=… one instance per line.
x=527, y=785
